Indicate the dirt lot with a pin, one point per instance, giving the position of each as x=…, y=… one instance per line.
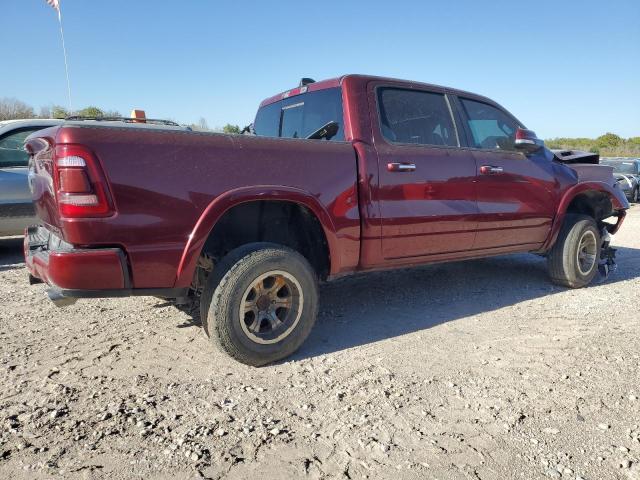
x=479, y=370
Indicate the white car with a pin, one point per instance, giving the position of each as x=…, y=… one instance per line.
x=16, y=208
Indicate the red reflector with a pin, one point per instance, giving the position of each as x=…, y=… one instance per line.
x=74, y=180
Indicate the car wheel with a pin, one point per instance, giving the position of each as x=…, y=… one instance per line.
x=260, y=303
x=634, y=197
x=573, y=260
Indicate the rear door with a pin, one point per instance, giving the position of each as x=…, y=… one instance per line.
x=426, y=189
x=16, y=208
x=516, y=193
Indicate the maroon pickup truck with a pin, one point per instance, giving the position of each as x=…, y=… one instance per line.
x=352, y=174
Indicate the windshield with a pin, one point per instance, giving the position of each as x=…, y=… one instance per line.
x=620, y=167
x=301, y=115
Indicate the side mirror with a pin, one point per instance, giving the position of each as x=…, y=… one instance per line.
x=527, y=141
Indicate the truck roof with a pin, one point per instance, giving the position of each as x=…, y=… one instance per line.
x=337, y=81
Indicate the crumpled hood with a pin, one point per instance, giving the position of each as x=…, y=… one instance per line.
x=576, y=156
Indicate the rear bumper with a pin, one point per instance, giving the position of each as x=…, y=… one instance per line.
x=64, y=267
x=81, y=272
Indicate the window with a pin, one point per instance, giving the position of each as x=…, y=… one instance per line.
x=301, y=115
x=412, y=116
x=12, y=153
x=490, y=127
x=628, y=168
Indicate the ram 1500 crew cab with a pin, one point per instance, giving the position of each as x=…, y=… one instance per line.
x=346, y=175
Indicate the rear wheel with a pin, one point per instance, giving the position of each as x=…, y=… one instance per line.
x=573, y=260
x=260, y=303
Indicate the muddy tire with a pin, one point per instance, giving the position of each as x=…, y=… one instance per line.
x=260, y=303
x=573, y=260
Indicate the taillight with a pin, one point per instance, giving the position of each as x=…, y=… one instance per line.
x=81, y=188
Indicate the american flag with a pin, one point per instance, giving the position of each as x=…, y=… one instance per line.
x=54, y=3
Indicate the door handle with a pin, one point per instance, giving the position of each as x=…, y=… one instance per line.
x=490, y=170
x=401, y=167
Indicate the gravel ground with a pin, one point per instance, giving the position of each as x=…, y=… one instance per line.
x=473, y=370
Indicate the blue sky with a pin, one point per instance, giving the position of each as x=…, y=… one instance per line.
x=565, y=68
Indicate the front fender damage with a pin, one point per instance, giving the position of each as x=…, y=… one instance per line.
x=607, y=264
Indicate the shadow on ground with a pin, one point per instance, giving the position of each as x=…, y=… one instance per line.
x=367, y=308
x=11, y=255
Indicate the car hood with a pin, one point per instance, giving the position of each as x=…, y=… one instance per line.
x=588, y=172
x=576, y=156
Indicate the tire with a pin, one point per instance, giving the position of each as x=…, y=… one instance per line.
x=565, y=266
x=634, y=197
x=253, y=278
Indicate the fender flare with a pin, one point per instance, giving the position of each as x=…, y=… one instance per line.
x=231, y=198
x=618, y=202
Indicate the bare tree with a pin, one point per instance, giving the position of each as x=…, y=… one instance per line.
x=202, y=124
x=11, y=109
x=45, y=112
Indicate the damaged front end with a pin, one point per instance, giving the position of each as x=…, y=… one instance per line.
x=607, y=264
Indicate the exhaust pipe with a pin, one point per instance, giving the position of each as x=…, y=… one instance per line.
x=59, y=300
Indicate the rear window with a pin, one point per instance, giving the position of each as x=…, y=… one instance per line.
x=301, y=115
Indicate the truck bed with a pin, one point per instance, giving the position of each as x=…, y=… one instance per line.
x=163, y=180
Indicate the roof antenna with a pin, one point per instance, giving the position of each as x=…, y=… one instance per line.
x=306, y=81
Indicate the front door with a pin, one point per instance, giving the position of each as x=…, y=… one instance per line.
x=426, y=189
x=516, y=193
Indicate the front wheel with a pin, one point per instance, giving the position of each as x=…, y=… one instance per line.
x=634, y=197
x=573, y=260
x=260, y=303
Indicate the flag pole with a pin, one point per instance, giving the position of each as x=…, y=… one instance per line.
x=64, y=51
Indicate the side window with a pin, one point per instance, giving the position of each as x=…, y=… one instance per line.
x=490, y=127
x=412, y=116
x=12, y=153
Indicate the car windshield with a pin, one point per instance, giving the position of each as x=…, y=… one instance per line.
x=620, y=166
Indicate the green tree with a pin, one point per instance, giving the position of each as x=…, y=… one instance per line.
x=608, y=140
x=59, y=112
x=228, y=128
x=91, y=112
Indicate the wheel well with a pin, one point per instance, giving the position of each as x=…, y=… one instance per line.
x=282, y=222
x=592, y=203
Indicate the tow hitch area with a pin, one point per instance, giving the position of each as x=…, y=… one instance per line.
x=607, y=263
x=58, y=299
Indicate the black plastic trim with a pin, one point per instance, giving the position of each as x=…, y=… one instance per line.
x=122, y=292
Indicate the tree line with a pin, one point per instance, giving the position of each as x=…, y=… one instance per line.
x=14, y=109
x=607, y=145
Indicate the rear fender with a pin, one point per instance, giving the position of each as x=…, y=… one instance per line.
x=218, y=207
x=619, y=205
